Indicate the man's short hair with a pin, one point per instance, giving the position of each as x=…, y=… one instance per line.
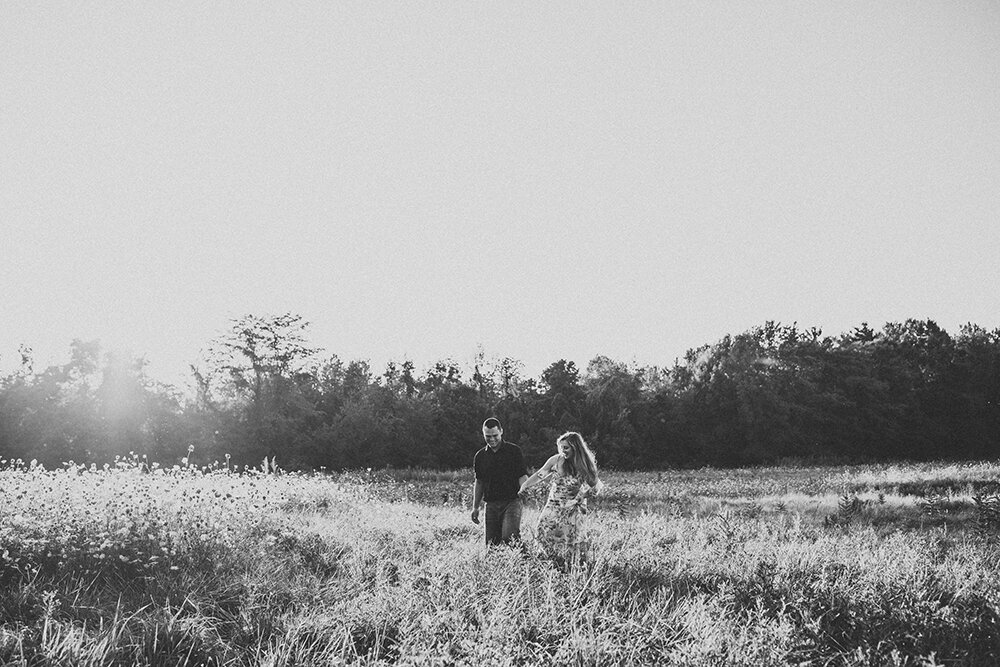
x=492, y=422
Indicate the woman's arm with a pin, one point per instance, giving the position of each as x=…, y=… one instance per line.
x=528, y=483
x=542, y=472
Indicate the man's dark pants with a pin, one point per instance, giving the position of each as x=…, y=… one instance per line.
x=503, y=521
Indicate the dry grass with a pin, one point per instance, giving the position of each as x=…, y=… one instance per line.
x=888, y=565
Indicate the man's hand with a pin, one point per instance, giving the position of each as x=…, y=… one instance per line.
x=475, y=515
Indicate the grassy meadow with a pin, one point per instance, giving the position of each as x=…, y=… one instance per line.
x=867, y=565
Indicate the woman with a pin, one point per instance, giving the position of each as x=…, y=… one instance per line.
x=574, y=476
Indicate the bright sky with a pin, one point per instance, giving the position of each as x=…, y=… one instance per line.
x=544, y=180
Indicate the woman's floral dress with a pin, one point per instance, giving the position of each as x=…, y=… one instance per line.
x=560, y=526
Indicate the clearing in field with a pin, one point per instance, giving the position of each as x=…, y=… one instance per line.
x=894, y=565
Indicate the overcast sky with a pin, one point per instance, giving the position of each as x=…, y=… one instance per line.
x=542, y=180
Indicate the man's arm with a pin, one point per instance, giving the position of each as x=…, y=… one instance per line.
x=524, y=470
x=477, y=500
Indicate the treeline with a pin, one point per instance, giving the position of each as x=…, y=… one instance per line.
x=774, y=393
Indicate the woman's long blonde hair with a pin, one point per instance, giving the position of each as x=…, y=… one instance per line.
x=581, y=462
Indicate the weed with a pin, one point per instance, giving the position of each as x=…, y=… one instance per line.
x=206, y=566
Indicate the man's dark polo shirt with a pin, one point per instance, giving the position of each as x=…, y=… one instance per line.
x=500, y=471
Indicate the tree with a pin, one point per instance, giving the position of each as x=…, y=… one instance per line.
x=399, y=378
x=91, y=409
x=974, y=383
x=611, y=393
x=562, y=395
x=259, y=370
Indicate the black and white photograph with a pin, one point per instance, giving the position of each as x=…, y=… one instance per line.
x=587, y=333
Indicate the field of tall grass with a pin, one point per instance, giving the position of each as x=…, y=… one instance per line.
x=132, y=565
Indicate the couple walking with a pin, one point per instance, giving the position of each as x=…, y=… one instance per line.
x=502, y=478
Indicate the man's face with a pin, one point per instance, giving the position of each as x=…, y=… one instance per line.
x=492, y=436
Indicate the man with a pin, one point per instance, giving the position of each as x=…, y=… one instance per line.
x=500, y=472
